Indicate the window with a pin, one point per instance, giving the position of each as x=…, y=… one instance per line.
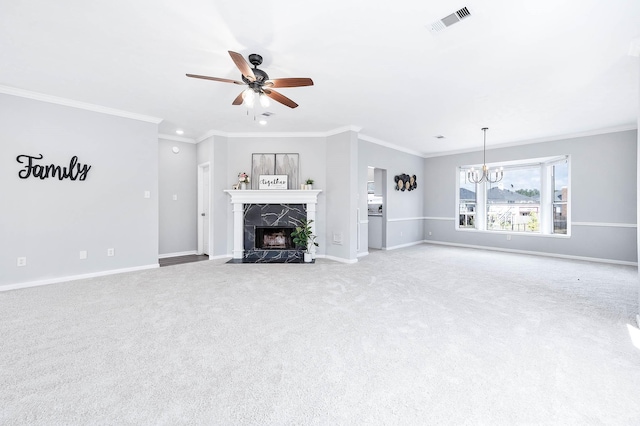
x=533, y=197
x=560, y=174
x=467, y=203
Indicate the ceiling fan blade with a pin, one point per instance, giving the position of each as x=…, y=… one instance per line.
x=242, y=65
x=238, y=100
x=224, y=80
x=280, y=98
x=289, y=82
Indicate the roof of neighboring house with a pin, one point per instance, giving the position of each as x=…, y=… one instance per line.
x=497, y=195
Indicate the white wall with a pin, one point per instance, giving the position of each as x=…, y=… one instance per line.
x=177, y=179
x=50, y=221
x=603, y=197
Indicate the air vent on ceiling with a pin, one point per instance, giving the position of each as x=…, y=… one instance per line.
x=449, y=20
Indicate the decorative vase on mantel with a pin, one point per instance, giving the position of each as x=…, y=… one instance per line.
x=243, y=186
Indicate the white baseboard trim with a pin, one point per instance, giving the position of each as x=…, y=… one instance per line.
x=75, y=277
x=180, y=253
x=535, y=253
x=221, y=256
x=413, y=243
x=337, y=259
x=363, y=254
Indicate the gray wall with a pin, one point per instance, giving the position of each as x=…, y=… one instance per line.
x=338, y=164
x=233, y=155
x=342, y=192
x=177, y=177
x=50, y=221
x=404, y=211
x=603, y=192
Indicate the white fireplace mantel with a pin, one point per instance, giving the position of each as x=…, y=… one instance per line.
x=267, y=196
x=273, y=196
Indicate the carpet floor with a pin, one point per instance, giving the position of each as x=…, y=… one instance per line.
x=422, y=335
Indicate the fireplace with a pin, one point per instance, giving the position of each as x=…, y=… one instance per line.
x=269, y=209
x=274, y=238
x=267, y=232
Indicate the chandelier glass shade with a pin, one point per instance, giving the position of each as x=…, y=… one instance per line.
x=486, y=175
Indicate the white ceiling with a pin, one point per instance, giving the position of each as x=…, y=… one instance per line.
x=528, y=70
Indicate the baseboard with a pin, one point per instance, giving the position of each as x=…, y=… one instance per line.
x=221, y=256
x=363, y=254
x=337, y=259
x=413, y=243
x=535, y=253
x=181, y=253
x=75, y=277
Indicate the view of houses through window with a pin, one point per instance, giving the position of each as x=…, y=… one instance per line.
x=532, y=197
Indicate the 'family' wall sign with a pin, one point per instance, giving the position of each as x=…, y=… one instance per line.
x=75, y=171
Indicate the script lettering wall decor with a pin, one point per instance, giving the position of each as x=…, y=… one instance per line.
x=75, y=170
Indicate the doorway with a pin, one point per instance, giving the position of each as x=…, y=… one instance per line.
x=376, y=207
x=204, y=236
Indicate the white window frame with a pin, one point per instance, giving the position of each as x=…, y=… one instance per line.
x=547, y=196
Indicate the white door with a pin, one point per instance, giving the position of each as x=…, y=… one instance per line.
x=203, y=209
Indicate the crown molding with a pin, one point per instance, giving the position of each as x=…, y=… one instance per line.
x=77, y=104
x=332, y=132
x=390, y=145
x=593, y=132
x=176, y=138
x=211, y=133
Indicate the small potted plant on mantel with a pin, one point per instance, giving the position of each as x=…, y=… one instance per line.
x=309, y=184
x=303, y=237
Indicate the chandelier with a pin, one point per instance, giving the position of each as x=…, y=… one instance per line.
x=487, y=175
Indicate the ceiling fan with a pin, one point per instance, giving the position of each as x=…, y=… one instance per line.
x=258, y=81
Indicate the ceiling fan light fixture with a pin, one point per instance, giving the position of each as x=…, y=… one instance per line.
x=264, y=100
x=249, y=98
x=259, y=83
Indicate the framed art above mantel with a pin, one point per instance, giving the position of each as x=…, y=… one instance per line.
x=276, y=164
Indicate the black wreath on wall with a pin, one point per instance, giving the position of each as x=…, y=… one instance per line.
x=405, y=182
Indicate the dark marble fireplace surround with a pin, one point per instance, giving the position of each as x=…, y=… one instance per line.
x=276, y=216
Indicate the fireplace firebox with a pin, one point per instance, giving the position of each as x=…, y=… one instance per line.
x=274, y=238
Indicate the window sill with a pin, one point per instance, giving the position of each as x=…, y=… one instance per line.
x=524, y=234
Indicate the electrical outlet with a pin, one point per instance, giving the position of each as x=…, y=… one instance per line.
x=508, y=237
x=429, y=232
x=22, y=261
x=147, y=194
x=83, y=254
x=175, y=197
x=111, y=252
